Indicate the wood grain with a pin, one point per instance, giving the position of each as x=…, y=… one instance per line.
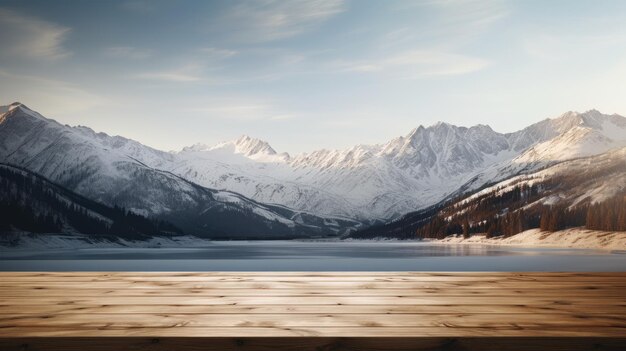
x=312, y=311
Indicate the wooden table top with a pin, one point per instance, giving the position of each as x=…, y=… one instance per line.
x=310, y=310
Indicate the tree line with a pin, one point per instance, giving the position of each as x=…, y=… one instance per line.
x=507, y=214
x=32, y=204
x=609, y=215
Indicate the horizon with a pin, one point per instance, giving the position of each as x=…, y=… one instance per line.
x=309, y=74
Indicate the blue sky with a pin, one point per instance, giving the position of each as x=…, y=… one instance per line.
x=312, y=73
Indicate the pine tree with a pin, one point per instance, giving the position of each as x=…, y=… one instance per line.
x=546, y=219
x=466, y=228
x=491, y=230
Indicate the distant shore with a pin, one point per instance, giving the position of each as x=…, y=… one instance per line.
x=578, y=238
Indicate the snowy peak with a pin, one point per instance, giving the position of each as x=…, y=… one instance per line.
x=611, y=126
x=10, y=107
x=246, y=146
x=444, y=149
x=119, y=171
x=580, y=134
x=30, y=131
x=448, y=133
x=18, y=109
x=376, y=181
x=593, y=119
x=441, y=127
x=438, y=129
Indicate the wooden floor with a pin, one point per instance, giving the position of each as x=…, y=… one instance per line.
x=312, y=311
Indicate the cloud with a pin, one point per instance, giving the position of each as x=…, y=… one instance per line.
x=448, y=23
x=472, y=12
x=195, y=69
x=186, y=74
x=463, y=16
x=217, y=53
x=169, y=77
x=127, y=52
x=269, y=20
x=30, y=37
x=419, y=63
x=433, y=44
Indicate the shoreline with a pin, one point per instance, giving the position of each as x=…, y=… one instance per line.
x=572, y=238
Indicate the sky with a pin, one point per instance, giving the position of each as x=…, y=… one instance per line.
x=309, y=74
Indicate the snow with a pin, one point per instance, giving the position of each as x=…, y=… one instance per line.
x=582, y=180
x=409, y=172
x=9, y=108
x=365, y=182
x=578, y=238
x=23, y=243
x=116, y=170
x=241, y=150
x=233, y=198
x=551, y=200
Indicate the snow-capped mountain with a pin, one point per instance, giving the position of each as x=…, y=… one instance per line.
x=591, y=179
x=115, y=170
x=31, y=203
x=244, y=146
x=570, y=136
x=571, y=185
x=586, y=134
x=413, y=171
x=363, y=183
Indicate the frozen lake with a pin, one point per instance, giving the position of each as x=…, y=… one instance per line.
x=315, y=256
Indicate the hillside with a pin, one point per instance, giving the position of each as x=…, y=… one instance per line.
x=30, y=203
x=385, y=181
x=118, y=172
x=245, y=189
x=586, y=191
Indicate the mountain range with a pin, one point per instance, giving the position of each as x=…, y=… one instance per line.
x=381, y=182
x=244, y=188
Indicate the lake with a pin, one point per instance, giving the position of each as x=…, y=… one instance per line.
x=315, y=256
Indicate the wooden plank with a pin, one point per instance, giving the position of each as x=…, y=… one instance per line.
x=60, y=292
x=561, y=285
x=363, y=278
x=314, y=309
x=347, y=309
x=272, y=277
x=313, y=300
x=484, y=343
x=507, y=320
x=312, y=331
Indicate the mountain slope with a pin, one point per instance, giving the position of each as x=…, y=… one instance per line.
x=29, y=202
x=330, y=191
x=118, y=171
x=570, y=186
x=380, y=182
x=575, y=135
